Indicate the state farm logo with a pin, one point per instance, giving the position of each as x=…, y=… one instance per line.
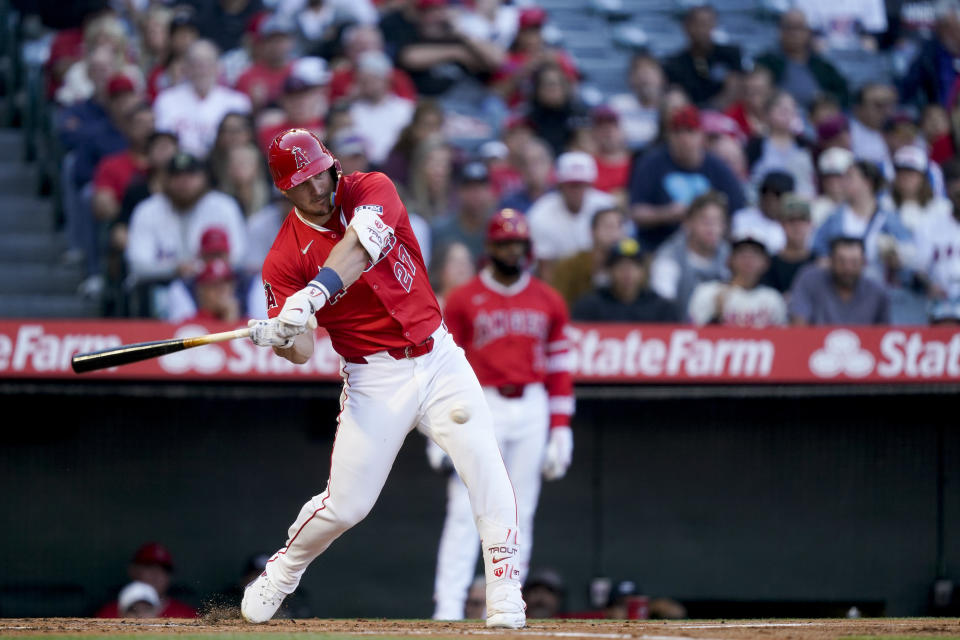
x=842, y=353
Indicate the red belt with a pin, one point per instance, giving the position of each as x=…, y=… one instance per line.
x=411, y=351
x=511, y=390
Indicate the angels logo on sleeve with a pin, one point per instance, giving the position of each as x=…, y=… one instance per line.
x=271, y=298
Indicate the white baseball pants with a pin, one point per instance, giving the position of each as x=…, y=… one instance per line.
x=381, y=402
x=521, y=425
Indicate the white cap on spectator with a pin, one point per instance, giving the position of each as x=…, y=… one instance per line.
x=137, y=592
x=576, y=166
x=750, y=235
x=374, y=62
x=493, y=150
x=835, y=161
x=311, y=71
x=910, y=157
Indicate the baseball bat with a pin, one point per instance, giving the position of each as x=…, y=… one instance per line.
x=128, y=353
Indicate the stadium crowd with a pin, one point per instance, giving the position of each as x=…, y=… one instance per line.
x=713, y=188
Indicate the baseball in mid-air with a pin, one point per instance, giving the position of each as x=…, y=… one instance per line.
x=459, y=415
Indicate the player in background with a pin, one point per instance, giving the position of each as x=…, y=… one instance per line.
x=346, y=255
x=511, y=325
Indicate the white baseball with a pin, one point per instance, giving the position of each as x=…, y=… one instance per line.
x=459, y=415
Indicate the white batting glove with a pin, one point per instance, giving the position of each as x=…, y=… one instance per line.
x=273, y=333
x=559, y=453
x=438, y=458
x=300, y=307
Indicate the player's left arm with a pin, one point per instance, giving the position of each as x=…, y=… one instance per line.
x=559, y=384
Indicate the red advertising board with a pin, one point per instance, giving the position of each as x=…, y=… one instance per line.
x=602, y=353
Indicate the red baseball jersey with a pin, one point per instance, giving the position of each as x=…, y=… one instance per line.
x=515, y=335
x=392, y=304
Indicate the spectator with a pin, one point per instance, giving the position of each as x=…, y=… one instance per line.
x=170, y=69
x=798, y=69
x=475, y=205
x=496, y=21
x=935, y=128
x=639, y=110
x=182, y=296
x=912, y=193
x=938, y=244
x=106, y=53
x=560, y=219
x=235, y=130
x=750, y=113
x=153, y=26
x=476, y=606
x=514, y=80
x=431, y=179
x=193, y=110
x=886, y=241
x=224, y=22
x=166, y=228
x=216, y=293
x=834, y=131
x=668, y=178
x=455, y=266
x=427, y=121
x=536, y=166
x=838, y=293
x=846, y=25
x=246, y=179
x=933, y=72
x=138, y=600
x=555, y=112
x=436, y=56
x=115, y=172
x=875, y=104
x=574, y=276
x=544, y=593
x=780, y=148
x=697, y=252
x=707, y=71
x=832, y=166
x=153, y=565
x=796, y=253
x=628, y=297
x=374, y=110
x=100, y=138
x=611, y=154
x=357, y=40
x=272, y=45
x=321, y=22
x=765, y=218
x=742, y=301
x=507, y=176
x=303, y=103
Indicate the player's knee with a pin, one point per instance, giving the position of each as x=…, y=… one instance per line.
x=347, y=516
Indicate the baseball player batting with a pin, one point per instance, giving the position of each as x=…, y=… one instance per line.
x=347, y=255
x=511, y=325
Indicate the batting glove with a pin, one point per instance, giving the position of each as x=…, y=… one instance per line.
x=559, y=453
x=301, y=306
x=273, y=333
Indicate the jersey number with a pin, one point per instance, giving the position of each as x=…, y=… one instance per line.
x=404, y=268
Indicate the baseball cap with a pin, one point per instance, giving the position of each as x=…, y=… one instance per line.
x=778, y=182
x=273, y=24
x=119, y=83
x=627, y=248
x=576, y=166
x=910, y=157
x=622, y=589
x=751, y=236
x=216, y=270
x=153, y=553
x=348, y=142
x=474, y=171
x=545, y=578
x=214, y=240
x=795, y=207
x=136, y=592
x=306, y=73
x=686, y=117
x=604, y=113
x=832, y=127
x=532, y=18
x=835, y=161
x=493, y=150
x=183, y=162
x=375, y=62
x=718, y=123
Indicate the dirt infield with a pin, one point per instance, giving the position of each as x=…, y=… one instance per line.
x=225, y=624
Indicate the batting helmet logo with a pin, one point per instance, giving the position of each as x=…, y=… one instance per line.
x=300, y=157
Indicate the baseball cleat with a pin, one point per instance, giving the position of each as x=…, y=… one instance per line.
x=505, y=607
x=260, y=600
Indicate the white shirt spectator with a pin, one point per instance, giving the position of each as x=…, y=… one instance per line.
x=262, y=228
x=868, y=144
x=314, y=21
x=381, y=123
x=640, y=124
x=160, y=238
x=758, y=307
x=558, y=232
x=938, y=251
x=500, y=30
x=838, y=20
x=194, y=119
x=752, y=219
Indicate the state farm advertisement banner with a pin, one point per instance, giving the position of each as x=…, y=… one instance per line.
x=601, y=353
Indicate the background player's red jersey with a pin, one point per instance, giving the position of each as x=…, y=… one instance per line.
x=392, y=304
x=515, y=336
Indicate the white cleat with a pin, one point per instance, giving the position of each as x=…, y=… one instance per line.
x=505, y=607
x=260, y=600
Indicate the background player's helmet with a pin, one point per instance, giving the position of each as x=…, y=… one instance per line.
x=297, y=155
x=508, y=224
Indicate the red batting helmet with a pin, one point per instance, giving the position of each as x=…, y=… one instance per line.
x=508, y=224
x=297, y=155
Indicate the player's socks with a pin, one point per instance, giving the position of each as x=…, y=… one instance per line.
x=260, y=600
